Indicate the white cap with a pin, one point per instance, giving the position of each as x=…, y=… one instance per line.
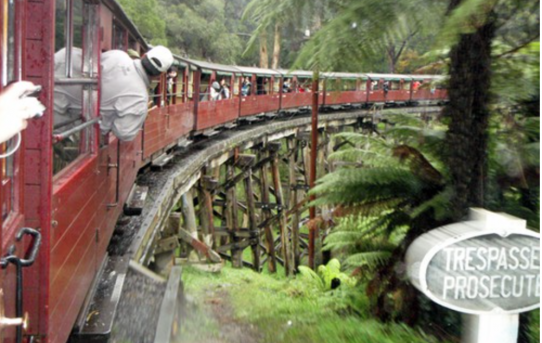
x=160, y=57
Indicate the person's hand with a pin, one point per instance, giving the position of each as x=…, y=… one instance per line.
x=16, y=108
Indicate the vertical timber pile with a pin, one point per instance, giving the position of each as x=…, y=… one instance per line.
x=283, y=223
x=293, y=198
x=205, y=201
x=254, y=232
x=232, y=216
x=266, y=214
x=313, y=231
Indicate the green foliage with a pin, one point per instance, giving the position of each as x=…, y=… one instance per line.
x=322, y=279
x=291, y=310
x=198, y=30
x=362, y=30
x=147, y=18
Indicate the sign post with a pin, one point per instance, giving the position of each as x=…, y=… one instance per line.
x=487, y=268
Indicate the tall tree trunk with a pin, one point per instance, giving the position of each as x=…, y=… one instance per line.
x=276, y=47
x=264, y=58
x=391, y=59
x=466, y=138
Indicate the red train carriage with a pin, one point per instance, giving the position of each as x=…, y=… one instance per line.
x=427, y=88
x=345, y=88
x=298, y=92
x=389, y=88
x=213, y=113
x=265, y=96
x=171, y=117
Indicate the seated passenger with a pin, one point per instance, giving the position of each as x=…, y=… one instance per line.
x=224, y=89
x=170, y=82
x=246, y=87
x=286, y=88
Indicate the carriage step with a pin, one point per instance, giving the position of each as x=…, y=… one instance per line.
x=161, y=161
x=136, y=200
x=183, y=143
x=96, y=322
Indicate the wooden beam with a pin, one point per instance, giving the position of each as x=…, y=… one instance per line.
x=266, y=214
x=232, y=219
x=199, y=246
x=292, y=145
x=252, y=223
x=286, y=251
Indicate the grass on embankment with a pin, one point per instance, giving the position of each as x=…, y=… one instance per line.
x=294, y=311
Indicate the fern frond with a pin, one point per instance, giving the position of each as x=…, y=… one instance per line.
x=372, y=259
x=310, y=276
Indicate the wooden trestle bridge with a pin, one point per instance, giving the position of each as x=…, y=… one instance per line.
x=246, y=189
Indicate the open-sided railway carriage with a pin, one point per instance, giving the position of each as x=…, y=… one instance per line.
x=67, y=183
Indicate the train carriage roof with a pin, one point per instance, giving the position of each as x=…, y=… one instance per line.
x=389, y=77
x=208, y=67
x=427, y=77
x=248, y=71
x=298, y=73
x=345, y=76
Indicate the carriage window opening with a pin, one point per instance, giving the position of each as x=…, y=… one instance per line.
x=363, y=85
x=77, y=23
x=8, y=174
x=395, y=85
x=155, y=92
x=8, y=41
x=204, y=85
x=119, y=37
x=376, y=85
x=405, y=85
x=132, y=43
x=302, y=85
x=334, y=85
x=321, y=84
x=173, y=87
x=235, y=88
x=349, y=85
x=75, y=96
x=276, y=85
x=262, y=85
x=190, y=85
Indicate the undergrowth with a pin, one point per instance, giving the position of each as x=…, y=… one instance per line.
x=301, y=309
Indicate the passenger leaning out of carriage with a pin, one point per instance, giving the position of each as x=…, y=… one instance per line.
x=124, y=89
x=124, y=95
x=386, y=87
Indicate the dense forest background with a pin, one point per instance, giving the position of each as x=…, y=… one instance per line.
x=220, y=30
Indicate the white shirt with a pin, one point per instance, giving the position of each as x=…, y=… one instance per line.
x=124, y=95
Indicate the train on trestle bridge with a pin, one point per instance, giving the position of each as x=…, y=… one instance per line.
x=63, y=191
